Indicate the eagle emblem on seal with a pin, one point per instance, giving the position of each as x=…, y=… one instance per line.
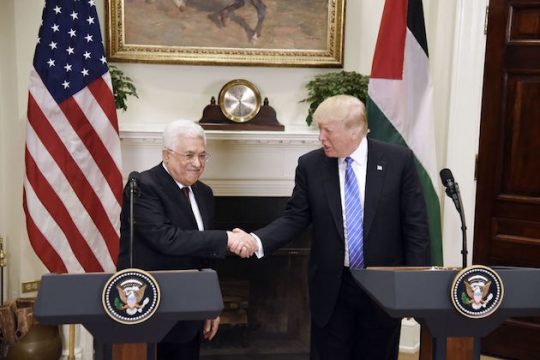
x=131, y=296
x=477, y=289
x=130, y=299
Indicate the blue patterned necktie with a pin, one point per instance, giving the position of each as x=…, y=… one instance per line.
x=353, y=218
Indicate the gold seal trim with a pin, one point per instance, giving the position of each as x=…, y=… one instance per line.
x=152, y=301
x=480, y=308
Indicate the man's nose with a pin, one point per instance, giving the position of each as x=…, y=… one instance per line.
x=197, y=161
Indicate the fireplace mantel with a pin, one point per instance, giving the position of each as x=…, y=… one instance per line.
x=243, y=163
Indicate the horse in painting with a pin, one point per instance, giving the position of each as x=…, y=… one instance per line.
x=225, y=13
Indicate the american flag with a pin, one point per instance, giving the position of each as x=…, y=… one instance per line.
x=73, y=185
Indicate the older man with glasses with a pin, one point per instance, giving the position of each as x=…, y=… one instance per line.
x=173, y=216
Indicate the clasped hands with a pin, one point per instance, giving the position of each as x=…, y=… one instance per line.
x=241, y=243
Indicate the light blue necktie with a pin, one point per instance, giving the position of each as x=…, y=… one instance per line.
x=353, y=218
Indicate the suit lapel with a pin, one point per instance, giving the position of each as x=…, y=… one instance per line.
x=175, y=194
x=376, y=171
x=331, y=189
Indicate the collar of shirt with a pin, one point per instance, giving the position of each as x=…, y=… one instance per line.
x=192, y=201
x=177, y=183
x=359, y=167
x=359, y=155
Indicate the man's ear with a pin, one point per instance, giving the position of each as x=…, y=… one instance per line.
x=165, y=155
x=358, y=132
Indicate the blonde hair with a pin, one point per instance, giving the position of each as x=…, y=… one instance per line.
x=346, y=108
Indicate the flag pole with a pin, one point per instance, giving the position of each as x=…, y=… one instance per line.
x=71, y=343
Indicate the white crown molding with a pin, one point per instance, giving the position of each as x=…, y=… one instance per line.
x=293, y=134
x=243, y=163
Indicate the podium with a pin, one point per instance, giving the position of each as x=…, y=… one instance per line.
x=425, y=295
x=77, y=299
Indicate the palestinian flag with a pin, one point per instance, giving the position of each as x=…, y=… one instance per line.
x=400, y=99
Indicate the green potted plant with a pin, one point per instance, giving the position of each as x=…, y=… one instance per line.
x=122, y=87
x=334, y=83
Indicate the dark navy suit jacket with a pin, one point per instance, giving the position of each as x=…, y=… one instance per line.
x=395, y=221
x=166, y=236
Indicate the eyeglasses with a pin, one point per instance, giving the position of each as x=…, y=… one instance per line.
x=190, y=156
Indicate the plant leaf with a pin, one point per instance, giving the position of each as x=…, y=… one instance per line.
x=334, y=83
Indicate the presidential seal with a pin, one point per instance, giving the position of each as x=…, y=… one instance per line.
x=131, y=296
x=477, y=291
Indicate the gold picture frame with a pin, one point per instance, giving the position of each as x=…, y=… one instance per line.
x=300, y=33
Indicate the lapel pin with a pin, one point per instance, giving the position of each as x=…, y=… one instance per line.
x=379, y=167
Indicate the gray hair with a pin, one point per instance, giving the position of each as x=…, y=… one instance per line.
x=179, y=129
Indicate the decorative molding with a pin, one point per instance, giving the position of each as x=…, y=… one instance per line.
x=292, y=135
x=243, y=163
x=251, y=187
x=206, y=50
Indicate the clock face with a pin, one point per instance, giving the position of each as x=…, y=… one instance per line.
x=239, y=100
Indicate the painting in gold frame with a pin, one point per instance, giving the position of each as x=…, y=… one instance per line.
x=297, y=33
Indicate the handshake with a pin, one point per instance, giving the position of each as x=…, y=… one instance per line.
x=241, y=243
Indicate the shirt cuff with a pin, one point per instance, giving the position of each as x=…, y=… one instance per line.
x=260, y=251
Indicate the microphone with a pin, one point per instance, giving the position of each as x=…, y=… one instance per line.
x=133, y=190
x=132, y=180
x=452, y=188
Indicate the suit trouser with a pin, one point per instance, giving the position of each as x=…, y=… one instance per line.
x=179, y=351
x=358, y=328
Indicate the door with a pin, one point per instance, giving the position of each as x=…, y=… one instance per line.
x=507, y=223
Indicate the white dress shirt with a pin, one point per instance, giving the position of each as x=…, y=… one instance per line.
x=359, y=166
x=192, y=201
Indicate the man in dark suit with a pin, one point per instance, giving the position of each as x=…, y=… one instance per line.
x=173, y=215
x=364, y=200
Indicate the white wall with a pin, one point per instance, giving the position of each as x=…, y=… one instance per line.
x=6, y=43
x=22, y=263
x=463, y=127
x=176, y=91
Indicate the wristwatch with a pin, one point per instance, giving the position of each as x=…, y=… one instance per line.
x=239, y=100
